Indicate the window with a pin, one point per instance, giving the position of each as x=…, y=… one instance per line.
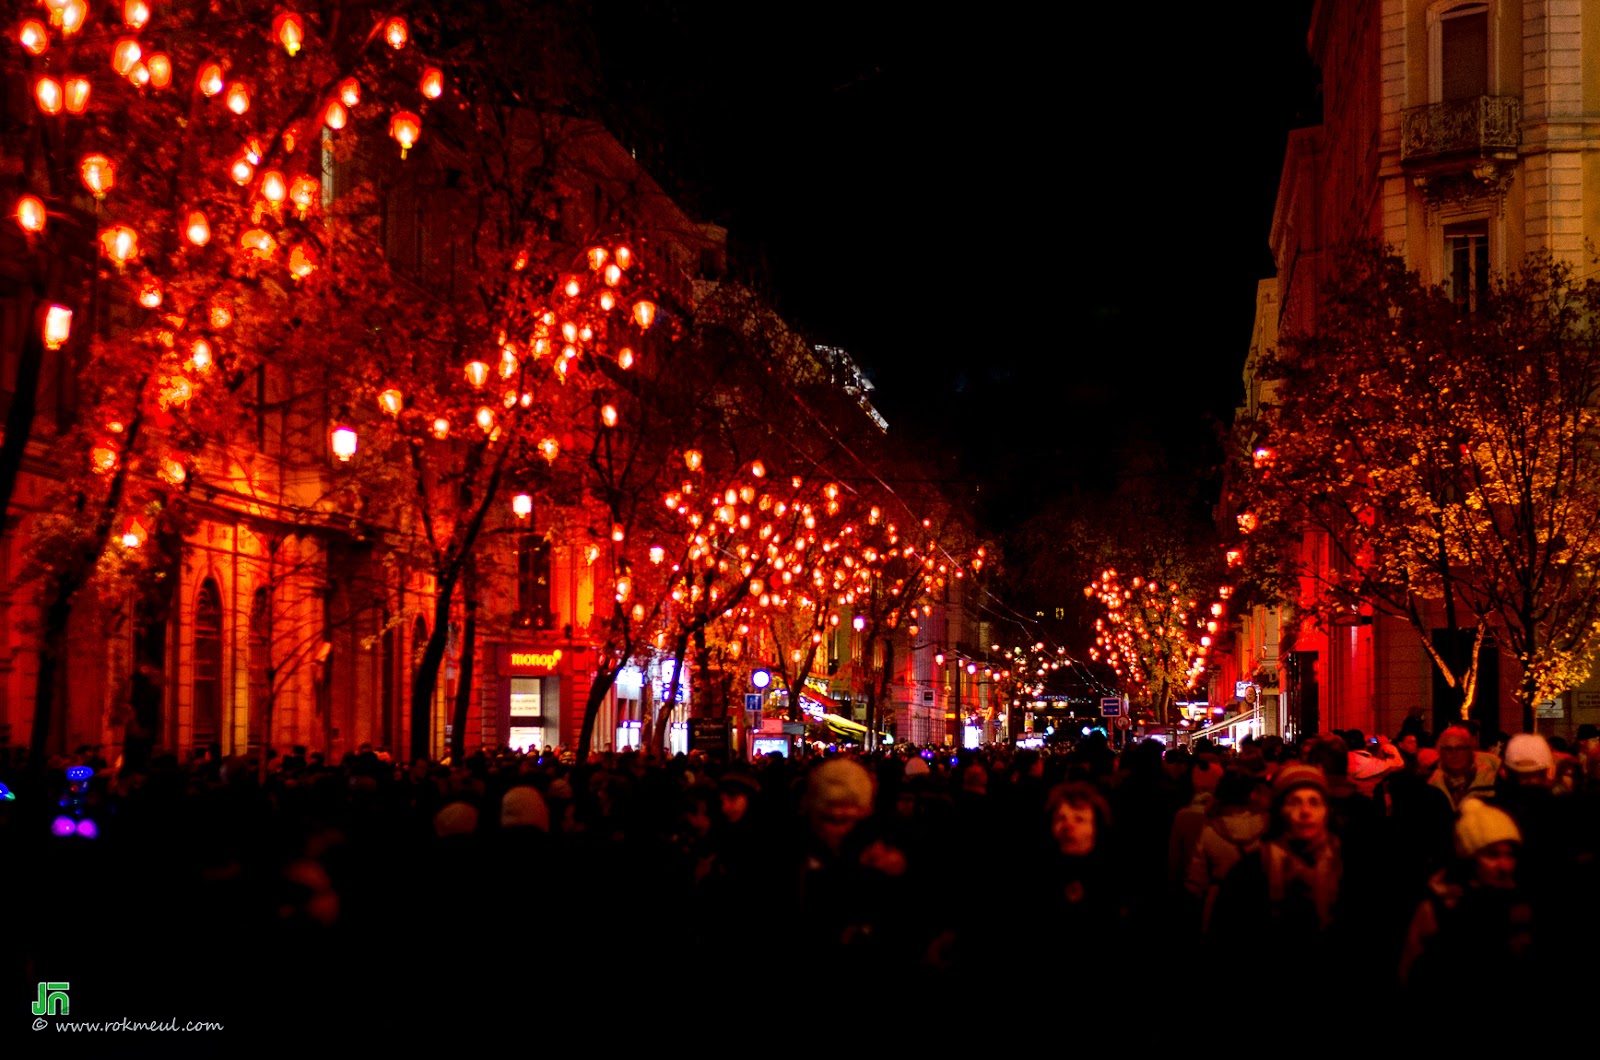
x=533, y=582
x=527, y=729
x=1464, y=52
x=207, y=665
x=1466, y=253
x=389, y=663
x=260, y=659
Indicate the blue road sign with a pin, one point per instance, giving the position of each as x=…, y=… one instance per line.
x=752, y=702
x=1110, y=707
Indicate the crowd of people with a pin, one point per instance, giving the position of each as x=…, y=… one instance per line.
x=1423, y=869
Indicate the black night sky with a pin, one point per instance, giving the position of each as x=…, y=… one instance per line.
x=1040, y=234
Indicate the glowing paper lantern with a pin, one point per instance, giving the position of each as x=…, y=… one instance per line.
x=221, y=316
x=30, y=213
x=300, y=263
x=432, y=82
x=47, y=93
x=135, y=13
x=238, y=97
x=125, y=56
x=549, y=448
x=608, y=415
x=477, y=373
x=139, y=75
x=623, y=256
x=335, y=116
x=613, y=275
x=198, y=231
x=692, y=459
x=119, y=243
x=290, y=31
x=396, y=33
x=597, y=258
x=160, y=70
x=259, y=242
x=350, y=91
x=484, y=418
x=508, y=363
x=441, y=428
x=33, y=37
x=274, y=188
x=150, y=296
x=76, y=90
x=200, y=355
x=73, y=12
x=103, y=459
x=210, y=80
x=344, y=443
x=522, y=505
x=57, y=326
x=391, y=401
x=644, y=313
x=173, y=470
x=405, y=128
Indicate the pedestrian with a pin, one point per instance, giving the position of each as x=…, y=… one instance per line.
x=1464, y=771
x=1474, y=933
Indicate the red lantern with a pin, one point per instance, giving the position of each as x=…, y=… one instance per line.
x=31, y=213
x=405, y=127
x=608, y=415
x=396, y=33
x=125, y=56
x=334, y=116
x=47, y=93
x=522, y=505
x=198, y=231
x=242, y=171
x=290, y=31
x=441, y=428
x=391, y=401
x=258, y=242
x=210, y=80
x=274, y=188
x=477, y=373
x=300, y=263
x=98, y=174
x=644, y=313
x=200, y=358
x=135, y=13
x=57, y=326
x=623, y=256
x=303, y=193
x=350, y=91
x=238, y=98
x=221, y=316
x=72, y=13
x=160, y=70
x=120, y=243
x=344, y=443
x=432, y=82
x=77, y=94
x=625, y=358
x=33, y=36
x=150, y=295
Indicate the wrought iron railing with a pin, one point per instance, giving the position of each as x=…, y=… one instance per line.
x=1478, y=126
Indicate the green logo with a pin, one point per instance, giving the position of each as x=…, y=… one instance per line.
x=52, y=999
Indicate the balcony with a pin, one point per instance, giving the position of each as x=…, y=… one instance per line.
x=1482, y=127
x=1465, y=149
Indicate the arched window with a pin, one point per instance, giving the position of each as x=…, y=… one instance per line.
x=207, y=665
x=385, y=736
x=260, y=658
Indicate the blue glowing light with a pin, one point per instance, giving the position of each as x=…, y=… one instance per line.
x=5, y=793
x=79, y=773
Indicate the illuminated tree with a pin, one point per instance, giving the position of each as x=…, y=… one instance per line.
x=1444, y=454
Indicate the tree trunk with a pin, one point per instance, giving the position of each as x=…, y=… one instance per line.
x=603, y=682
x=427, y=675
x=266, y=724
x=469, y=650
x=52, y=649
x=661, y=722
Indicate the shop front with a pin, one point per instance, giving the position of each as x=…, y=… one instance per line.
x=534, y=696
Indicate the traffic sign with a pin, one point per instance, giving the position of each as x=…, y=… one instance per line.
x=752, y=702
x=1110, y=707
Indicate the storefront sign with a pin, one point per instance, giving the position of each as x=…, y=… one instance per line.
x=539, y=660
x=709, y=735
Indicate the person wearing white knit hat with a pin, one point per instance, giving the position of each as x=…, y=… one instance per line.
x=1475, y=923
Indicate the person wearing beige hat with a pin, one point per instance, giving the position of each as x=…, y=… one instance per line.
x=1475, y=925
